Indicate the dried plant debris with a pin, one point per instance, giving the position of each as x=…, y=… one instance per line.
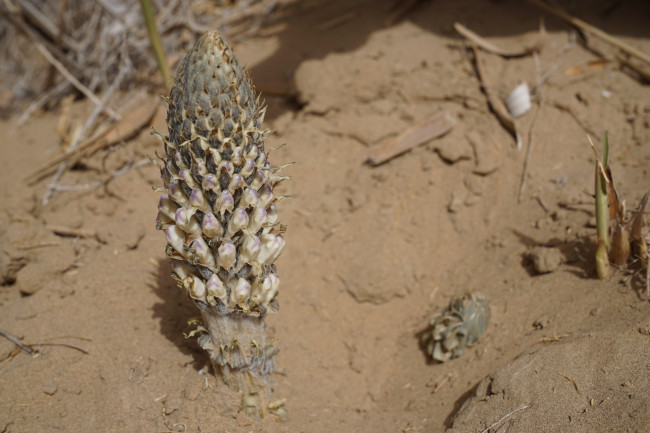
x=458, y=327
x=93, y=41
x=218, y=210
x=435, y=126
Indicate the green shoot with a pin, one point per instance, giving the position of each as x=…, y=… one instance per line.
x=156, y=42
x=602, y=212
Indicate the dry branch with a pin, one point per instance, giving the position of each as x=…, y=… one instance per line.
x=133, y=121
x=47, y=27
x=71, y=232
x=504, y=417
x=71, y=78
x=495, y=102
x=628, y=51
x=433, y=127
x=86, y=38
x=588, y=28
x=491, y=48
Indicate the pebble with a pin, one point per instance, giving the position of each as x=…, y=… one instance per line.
x=487, y=157
x=50, y=387
x=545, y=259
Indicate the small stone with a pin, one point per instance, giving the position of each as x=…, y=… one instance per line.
x=172, y=405
x=644, y=328
x=9, y=266
x=559, y=215
x=542, y=322
x=457, y=200
x=137, y=235
x=30, y=279
x=487, y=157
x=545, y=259
x=50, y=387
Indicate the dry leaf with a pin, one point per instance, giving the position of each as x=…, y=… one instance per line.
x=619, y=250
x=639, y=245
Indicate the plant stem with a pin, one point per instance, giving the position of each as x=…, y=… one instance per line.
x=156, y=42
x=602, y=213
x=241, y=355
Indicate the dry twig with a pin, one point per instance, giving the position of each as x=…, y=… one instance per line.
x=71, y=78
x=491, y=48
x=495, y=102
x=400, y=10
x=582, y=123
x=628, y=51
x=504, y=417
x=87, y=126
x=575, y=385
x=16, y=341
x=86, y=186
x=72, y=232
x=588, y=28
x=435, y=126
x=52, y=93
x=46, y=26
x=134, y=121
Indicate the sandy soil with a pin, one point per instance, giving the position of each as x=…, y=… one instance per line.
x=371, y=252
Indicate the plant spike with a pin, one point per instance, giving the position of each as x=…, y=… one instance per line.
x=219, y=214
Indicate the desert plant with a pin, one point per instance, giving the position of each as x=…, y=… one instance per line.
x=619, y=238
x=459, y=326
x=154, y=38
x=218, y=209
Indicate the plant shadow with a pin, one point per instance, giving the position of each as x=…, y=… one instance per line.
x=576, y=254
x=306, y=31
x=173, y=312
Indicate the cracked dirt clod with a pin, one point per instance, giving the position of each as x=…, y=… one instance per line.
x=545, y=259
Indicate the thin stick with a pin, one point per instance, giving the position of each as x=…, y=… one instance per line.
x=68, y=76
x=529, y=148
x=495, y=102
x=491, y=48
x=401, y=9
x=582, y=123
x=132, y=123
x=122, y=171
x=16, y=341
x=44, y=99
x=593, y=30
x=41, y=245
x=647, y=277
x=69, y=346
x=47, y=26
x=575, y=385
x=504, y=417
x=89, y=122
x=72, y=232
x=16, y=19
x=542, y=79
x=338, y=21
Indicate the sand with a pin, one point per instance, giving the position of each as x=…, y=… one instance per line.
x=371, y=252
